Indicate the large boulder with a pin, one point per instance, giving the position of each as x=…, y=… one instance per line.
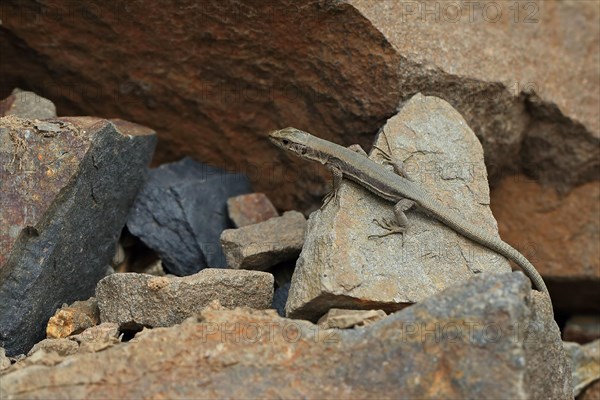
x=489, y=338
x=67, y=187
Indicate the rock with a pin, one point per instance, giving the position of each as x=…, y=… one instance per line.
x=4, y=361
x=138, y=300
x=24, y=104
x=181, y=213
x=585, y=364
x=63, y=347
x=280, y=298
x=582, y=329
x=260, y=246
x=65, y=199
x=342, y=267
x=98, y=337
x=560, y=233
x=76, y=318
x=342, y=319
x=249, y=209
x=155, y=269
x=592, y=392
x=471, y=341
x=335, y=68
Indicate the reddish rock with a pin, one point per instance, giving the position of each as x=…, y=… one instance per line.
x=582, y=329
x=338, y=69
x=560, y=234
x=248, y=209
x=490, y=338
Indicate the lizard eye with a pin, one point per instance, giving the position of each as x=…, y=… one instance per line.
x=285, y=142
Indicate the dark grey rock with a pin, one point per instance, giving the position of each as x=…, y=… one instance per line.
x=182, y=211
x=81, y=191
x=280, y=298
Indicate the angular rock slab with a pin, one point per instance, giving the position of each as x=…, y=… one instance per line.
x=341, y=267
x=139, y=300
x=66, y=192
x=260, y=246
x=181, y=212
x=489, y=338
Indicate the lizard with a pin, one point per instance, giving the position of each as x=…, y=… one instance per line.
x=353, y=163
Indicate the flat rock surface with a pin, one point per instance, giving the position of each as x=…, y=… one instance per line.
x=181, y=212
x=478, y=340
x=139, y=300
x=260, y=246
x=340, y=266
x=66, y=193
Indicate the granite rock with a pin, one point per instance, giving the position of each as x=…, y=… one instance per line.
x=559, y=233
x=65, y=198
x=582, y=329
x=181, y=212
x=63, y=347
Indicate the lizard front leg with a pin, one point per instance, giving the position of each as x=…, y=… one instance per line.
x=397, y=164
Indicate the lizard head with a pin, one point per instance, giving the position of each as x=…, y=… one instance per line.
x=295, y=141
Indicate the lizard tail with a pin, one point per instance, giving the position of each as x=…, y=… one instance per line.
x=492, y=242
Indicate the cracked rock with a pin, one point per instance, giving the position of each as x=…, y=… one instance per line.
x=341, y=266
x=64, y=200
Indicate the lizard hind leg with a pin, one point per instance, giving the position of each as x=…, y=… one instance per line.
x=400, y=224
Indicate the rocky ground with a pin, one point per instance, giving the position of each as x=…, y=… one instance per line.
x=214, y=279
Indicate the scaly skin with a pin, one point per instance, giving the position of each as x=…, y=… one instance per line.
x=393, y=187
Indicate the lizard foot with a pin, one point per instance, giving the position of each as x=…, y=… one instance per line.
x=328, y=197
x=390, y=226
